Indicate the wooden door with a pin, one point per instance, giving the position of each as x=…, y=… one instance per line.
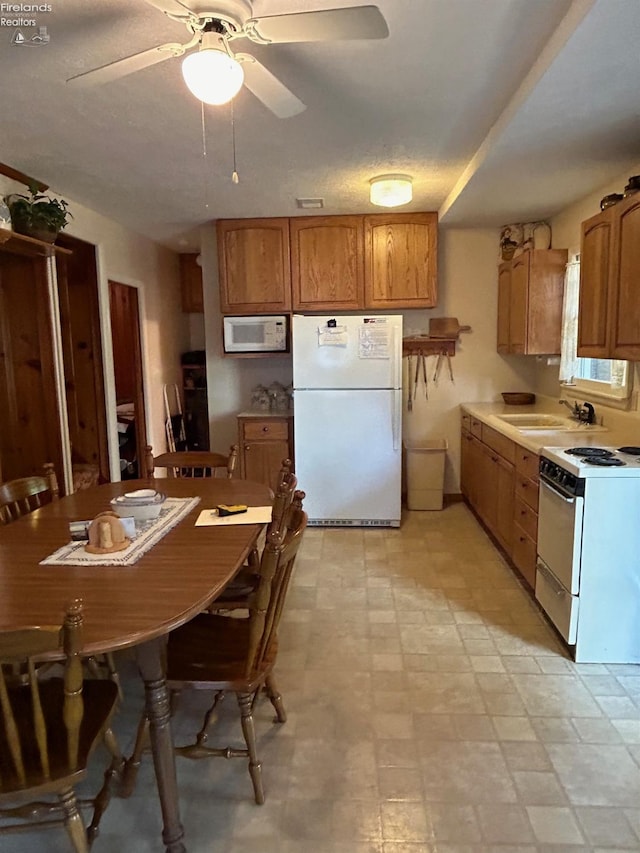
x=29, y=426
x=82, y=350
x=518, y=304
x=624, y=304
x=595, y=270
x=401, y=260
x=504, y=295
x=327, y=269
x=191, y=284
x=127, y=366
x=254, y=266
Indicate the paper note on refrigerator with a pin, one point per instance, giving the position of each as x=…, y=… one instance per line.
x=332, y=336
x=373, y=341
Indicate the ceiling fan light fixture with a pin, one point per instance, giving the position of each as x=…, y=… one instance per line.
x=212, y=75
x=390, y=190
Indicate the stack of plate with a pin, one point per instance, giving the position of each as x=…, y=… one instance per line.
x=143, y=504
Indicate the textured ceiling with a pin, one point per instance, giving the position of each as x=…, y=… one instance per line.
x=501, y=110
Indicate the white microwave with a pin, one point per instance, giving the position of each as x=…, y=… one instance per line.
x=256, y=334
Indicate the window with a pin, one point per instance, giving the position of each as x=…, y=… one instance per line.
x=601, y=377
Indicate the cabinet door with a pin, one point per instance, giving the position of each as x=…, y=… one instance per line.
x=544, y=301
x=327, y=269
x=624, y=305
x=191, y=284
x=505, y=499
x=595, y=261
x=263, y=460
x=518, y=304
x=504, y=291
x=401, y=260
x=254, y=266
x=465, y=464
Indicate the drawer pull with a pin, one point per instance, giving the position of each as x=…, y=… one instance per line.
x=265, y=429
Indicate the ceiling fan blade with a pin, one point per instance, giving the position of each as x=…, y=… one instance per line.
x=353, y=22
x=268, y=89
x=122, y=67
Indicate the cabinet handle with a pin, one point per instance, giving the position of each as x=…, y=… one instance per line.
x=522, y=539
x=494, y=458
x=265, y=429
x=247, y=447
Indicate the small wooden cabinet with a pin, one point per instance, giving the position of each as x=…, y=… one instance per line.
x=609, y=310
x=530, y=290
x=327, y=270
x=264, y=441
x=191, y=284
x=254, y=266
x=401, y=260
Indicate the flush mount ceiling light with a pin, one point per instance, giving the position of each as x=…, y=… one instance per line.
x=391, y=190
x=212, y=74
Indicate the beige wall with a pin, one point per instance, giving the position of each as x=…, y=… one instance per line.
x=468, y=290
x=135, y=260
x=566, y=231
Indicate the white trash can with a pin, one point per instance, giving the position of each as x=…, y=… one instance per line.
x=425, y=473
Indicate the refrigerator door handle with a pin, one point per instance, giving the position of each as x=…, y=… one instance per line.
x=396, y=419
x=396, y=349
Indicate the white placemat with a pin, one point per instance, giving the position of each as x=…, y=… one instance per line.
x=253, y=515
x=147, y=534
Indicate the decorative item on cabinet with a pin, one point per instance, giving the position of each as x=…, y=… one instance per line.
x=38, y=215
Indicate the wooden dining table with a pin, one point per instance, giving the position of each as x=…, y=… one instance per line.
x=131, y=606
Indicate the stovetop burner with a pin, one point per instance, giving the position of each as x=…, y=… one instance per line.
x=590, y=452
x=631, y=451
x=604, y=461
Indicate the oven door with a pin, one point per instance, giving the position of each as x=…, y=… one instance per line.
x=560, y=534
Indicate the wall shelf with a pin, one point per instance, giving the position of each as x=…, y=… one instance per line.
x=18, y=244
x=429, y=346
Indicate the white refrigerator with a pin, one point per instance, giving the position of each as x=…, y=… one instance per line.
x=347, y=400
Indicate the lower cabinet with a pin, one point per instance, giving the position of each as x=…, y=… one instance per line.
x=499, y=479
x=264, y=441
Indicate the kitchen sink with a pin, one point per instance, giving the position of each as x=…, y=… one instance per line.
x=527, y=422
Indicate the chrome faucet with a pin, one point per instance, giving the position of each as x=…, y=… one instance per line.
x=585, y=414
x=575, y=409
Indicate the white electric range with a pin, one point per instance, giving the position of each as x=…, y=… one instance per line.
x=588, y=566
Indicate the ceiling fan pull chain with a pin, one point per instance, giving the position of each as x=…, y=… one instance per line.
x=207, y=179
x=234, y=175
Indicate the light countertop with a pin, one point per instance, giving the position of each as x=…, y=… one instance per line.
x=536, y=439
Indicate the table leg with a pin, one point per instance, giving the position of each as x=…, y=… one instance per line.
x=149, y=656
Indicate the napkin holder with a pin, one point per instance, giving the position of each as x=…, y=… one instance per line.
x=106, y=534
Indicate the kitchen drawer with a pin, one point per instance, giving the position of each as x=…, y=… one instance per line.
x=270, y=430
x=527, y=491
x=523, y=554
x=527, y=463
x=476, y=428
x=498, y=442
x=526, y=518
x=559, y=605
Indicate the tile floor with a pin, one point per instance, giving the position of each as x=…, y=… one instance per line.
x=431, y=710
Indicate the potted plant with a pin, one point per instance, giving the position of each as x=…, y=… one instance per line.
x=37, y=215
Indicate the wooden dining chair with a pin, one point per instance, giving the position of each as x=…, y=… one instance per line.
x=24, y=495
x=48, y=729
x=192, y=463
x=221, y=654
x=234, y=596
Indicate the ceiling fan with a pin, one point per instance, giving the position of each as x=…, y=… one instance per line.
x=215, y=24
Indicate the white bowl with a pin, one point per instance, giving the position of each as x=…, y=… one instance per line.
x=137, y=509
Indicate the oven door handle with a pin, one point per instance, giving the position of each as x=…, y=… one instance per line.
x=553, y=581
x=567, y=497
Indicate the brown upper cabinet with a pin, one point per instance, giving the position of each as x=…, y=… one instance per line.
x=530, y=289
x=328, y=263
x=254, y=266
x=401, y=260
x=191, y=284
x=609, y=312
